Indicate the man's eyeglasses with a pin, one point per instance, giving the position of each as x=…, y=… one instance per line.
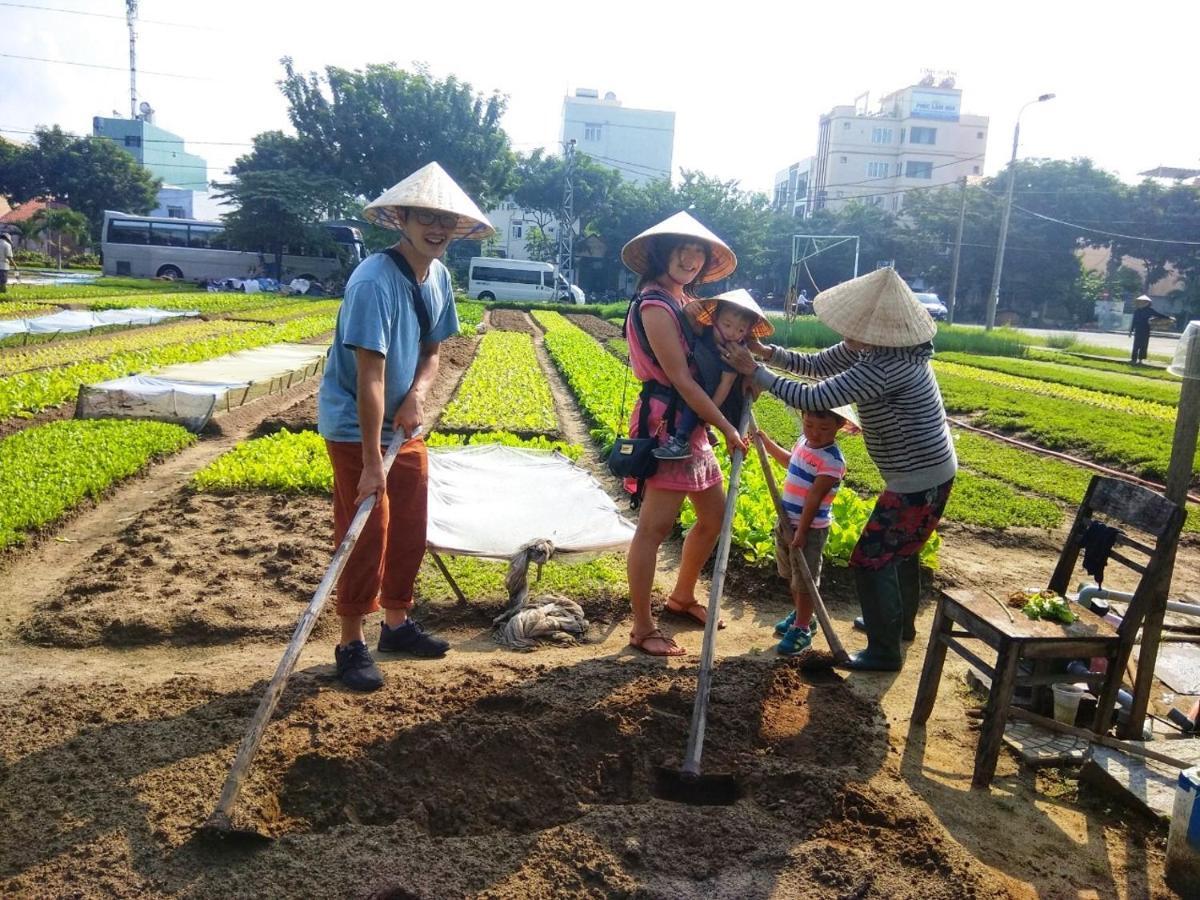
x=428, y=217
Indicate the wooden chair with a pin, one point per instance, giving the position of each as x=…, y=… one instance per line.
x=987, y=619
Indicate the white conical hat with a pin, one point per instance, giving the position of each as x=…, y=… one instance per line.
x=429, y=188
x=741, y=298
x=636, y=254
x=878, y=308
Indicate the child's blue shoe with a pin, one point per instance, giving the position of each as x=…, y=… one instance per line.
x=788, y=621
x=784, y=624
x=795, y=640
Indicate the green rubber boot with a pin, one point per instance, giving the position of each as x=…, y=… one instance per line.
x=908, y=570
x=882, y=606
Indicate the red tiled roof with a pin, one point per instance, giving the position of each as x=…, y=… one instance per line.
x=24, y=212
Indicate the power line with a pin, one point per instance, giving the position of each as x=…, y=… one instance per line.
x=1078, y=227
x=67, y=62
x=96, y=15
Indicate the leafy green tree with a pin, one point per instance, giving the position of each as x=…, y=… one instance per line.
x=91, y=174
x=278, y=211
x=367, y=129
x=59, y=224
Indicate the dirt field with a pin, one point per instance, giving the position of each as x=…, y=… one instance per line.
x=134, y=646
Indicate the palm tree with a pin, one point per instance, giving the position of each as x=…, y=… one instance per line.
x=61, y=222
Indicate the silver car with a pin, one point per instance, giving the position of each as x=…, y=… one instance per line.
x=934, y=305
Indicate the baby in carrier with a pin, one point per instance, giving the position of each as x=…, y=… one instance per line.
x=730, y=318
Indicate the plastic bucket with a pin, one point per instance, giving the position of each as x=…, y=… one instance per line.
x=1066, y=702
x=1183, y=843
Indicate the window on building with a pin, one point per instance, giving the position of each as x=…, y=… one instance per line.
x=518, y=231
x=899, y=169
x=877, y=170
x=176, y=212
x=914, y=169
x=133, y=140
x=979, y=134
x=592, y=131
x=844, y=158
x=974, y=170
x=922, y=135
x=902, y=132
x=845, y=126
x=895, y=202
x=881, y=135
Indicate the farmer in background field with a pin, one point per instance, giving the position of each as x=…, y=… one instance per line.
x=883, y=365
x=1139, y=327
x=6, y=260
x=398, y=306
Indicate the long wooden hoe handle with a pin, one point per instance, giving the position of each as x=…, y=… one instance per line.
x=835, y=643
x=695, y=743
x=221, y=818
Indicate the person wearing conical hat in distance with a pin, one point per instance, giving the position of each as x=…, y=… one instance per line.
x=672, y=258
x=883, y=365
x=398, y=305
x=1139, y=327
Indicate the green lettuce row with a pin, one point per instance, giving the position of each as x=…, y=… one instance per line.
x=1145, y=373
x=470, y=314
x=27, y=392
x=46, y=471
x=19, y=309
x=604, y=387
x=1082, y=396
x=65, y=353
x=1125, y=385
x=1138, y=444
x=282, y=311
x=503, y=390
x=297, y=462
x=101, y=287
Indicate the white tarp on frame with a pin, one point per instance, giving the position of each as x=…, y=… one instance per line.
x=70, y=321
x=488, y=500
x=189, y=393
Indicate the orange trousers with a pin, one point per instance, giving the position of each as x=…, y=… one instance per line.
x=382, y=569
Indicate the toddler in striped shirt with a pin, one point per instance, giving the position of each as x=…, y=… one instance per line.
x=815, y=468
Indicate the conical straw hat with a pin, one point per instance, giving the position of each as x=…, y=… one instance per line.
x=429, y=188
x=878, y=308
x=636, y=254
x=707, y=311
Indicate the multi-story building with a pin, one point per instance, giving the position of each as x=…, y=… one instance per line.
x=918, y=137
x=638, y=143
x=183, y=174
x=791, y=188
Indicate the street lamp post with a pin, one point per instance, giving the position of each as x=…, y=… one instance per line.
x=994, y=294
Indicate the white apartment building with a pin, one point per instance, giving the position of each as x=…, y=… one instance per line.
x=791, y=188
x=638, y=143
x=918, y=137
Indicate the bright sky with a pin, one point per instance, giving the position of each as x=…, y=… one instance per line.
x=746, y=80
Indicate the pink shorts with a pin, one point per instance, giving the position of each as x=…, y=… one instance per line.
x=698, y=473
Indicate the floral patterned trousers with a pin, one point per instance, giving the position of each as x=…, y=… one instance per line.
x=899, y=526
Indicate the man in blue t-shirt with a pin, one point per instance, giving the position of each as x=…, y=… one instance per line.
x=398, y=306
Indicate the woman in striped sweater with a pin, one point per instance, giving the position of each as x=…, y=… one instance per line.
x=883, y=366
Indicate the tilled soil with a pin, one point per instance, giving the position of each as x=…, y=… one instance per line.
x=601, y=329
x=511, y=320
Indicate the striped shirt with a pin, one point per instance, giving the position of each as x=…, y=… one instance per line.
x=803, y=468
x=903, y=420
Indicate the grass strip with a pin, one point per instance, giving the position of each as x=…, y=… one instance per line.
x=503, y=390
x=1146, y=373
x=47, y=471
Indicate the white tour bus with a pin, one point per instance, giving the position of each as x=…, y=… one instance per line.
x=492, y=278
x=156, y=247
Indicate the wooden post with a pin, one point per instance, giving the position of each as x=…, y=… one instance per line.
x=1179, y=475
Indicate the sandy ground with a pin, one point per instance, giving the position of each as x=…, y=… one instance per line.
x=135, y=643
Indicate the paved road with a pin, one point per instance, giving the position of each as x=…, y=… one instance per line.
x=1163, y=345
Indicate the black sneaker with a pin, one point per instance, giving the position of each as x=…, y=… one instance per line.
x=676, y=448
x=355, y=668
x=411, y=638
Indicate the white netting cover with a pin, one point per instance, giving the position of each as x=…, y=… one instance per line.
x=75, y=320
x=489, y=500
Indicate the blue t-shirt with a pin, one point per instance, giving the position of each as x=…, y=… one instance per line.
x=377, y=314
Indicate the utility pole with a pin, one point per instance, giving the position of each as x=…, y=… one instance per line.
x=962, y=214
x=131, y=11
x=566, y=223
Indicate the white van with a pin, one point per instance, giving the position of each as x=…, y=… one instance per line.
x=492, y=278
